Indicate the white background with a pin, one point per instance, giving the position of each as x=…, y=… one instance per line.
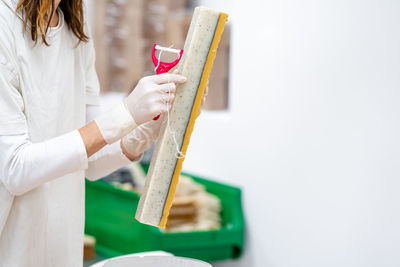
x=312, y=133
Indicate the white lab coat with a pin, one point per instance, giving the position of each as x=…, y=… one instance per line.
x=44, y=96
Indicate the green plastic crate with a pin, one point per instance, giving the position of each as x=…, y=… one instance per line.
x=110, y=218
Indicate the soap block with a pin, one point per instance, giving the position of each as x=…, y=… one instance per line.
x=199, y=52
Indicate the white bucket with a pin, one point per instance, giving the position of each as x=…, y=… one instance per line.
x=155, y=261
x=151, y=259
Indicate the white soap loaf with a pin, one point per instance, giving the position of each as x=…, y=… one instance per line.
x=199, y=52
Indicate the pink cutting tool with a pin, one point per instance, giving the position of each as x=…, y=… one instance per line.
x=162, y=67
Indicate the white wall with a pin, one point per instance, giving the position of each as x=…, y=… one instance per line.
x=313, y=132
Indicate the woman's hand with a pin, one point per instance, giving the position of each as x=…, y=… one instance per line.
x=149, y=99
x=151, y=96
x=140, y=139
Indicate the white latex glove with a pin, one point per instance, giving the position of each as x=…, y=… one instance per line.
x=147, y=100
x=140, y=139
x=151, y=95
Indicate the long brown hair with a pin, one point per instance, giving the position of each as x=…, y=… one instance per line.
x=36, y=12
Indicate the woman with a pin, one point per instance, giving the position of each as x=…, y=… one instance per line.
x=48, y=91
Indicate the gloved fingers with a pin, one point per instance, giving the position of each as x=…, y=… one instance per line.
x=146, y=131
x=168, y=78
x=159, y=108
x=139, y=140
x=151, y=124
x=167, y=88
x=162, y=97
x=157, y=127
x=167, y=98
x=176, y=72
x=153, y=127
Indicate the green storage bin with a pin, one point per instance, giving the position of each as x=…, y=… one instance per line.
x=110, y=217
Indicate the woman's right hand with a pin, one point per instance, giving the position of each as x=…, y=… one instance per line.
x=151, y=95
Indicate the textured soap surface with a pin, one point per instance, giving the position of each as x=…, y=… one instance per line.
x=164, y=161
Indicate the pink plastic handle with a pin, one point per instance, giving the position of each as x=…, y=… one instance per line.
x=163, y=67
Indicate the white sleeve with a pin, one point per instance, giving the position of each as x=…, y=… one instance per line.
x=25, y=165
x=105, y=161
x=92, y=85
x=12, y=117
x=109, y=158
